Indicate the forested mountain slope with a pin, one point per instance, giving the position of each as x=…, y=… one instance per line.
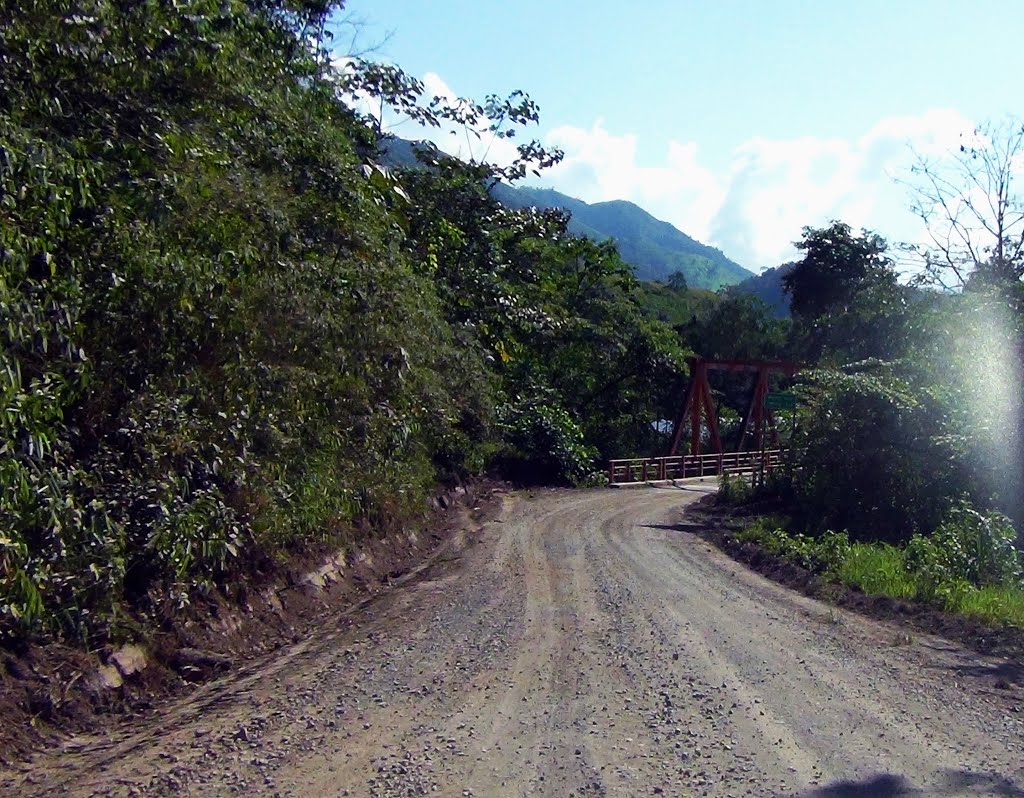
x=767, y=286
x=655, y=249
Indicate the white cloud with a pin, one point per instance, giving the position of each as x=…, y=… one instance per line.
x=771, y=189
x=756, y=207
x=599, y=166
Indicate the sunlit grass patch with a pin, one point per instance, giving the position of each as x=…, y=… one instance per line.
x=992, y=604
x=968, y=566
x=878, y=570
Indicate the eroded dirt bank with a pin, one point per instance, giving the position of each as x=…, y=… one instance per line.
x=582, y=644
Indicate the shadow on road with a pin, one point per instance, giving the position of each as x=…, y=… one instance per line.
x=888, y=785
x=693, y=487
x=686, y=526
x=884, y=785
x=1002, y=674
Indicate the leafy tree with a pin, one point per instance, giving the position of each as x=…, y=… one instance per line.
x=677, y=281
x=230, y=333
x=837, y=265
x=867, y=457
x=214, y=348
x=925, y=409
x=739, y=326
x=964, y=354
x=845, y=298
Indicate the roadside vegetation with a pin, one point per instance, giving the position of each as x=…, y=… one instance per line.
x=907, y=446
x=232, y=335
x=968, y=565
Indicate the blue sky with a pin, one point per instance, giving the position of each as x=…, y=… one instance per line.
x=739, y=122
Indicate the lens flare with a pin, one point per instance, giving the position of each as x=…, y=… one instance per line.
x=990, y=372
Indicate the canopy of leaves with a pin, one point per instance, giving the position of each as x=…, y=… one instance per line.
x=228, y=333
x=917, y=399
x=847, y=304
x=837, y=264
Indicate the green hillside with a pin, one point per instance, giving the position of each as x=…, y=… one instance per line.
x=654, y=248
x=674, y=307
x=767, y=287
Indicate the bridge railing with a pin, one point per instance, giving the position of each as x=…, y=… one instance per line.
x=663, y=469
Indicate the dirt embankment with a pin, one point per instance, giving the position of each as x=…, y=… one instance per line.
x=587, y=644
x=49, y=691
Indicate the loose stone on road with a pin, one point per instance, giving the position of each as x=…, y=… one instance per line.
x=583, y=644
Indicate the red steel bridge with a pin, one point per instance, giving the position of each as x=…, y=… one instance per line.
x=757, y=443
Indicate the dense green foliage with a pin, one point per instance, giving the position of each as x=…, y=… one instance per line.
x=677, y=306
x=969, y=566
x=910, y=416
x=916, y=397
x=836, y=269
x=654, y=248
x=737, y=326
x=228, y=333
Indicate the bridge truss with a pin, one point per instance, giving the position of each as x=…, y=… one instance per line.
x=699, y=409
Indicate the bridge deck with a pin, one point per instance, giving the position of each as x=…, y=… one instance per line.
x=664, y=469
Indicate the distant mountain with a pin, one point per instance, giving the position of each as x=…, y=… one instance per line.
x=767, y=287
x=396, y=152
x=654, y=248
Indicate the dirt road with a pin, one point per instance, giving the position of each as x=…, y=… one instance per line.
x=584, y=644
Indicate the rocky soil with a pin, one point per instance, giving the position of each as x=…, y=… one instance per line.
x=581, y=644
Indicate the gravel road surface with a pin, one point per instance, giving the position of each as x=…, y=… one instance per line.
x=582, y=644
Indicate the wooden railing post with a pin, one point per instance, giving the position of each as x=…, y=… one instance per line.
x=756, y=464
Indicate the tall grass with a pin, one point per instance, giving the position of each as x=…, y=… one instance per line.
x=941, y=570
x=992, y=604
x=878, y=570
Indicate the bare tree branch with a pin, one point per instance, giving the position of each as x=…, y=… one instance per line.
x=968, y=203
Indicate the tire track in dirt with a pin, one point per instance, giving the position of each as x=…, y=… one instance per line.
x=583, y=644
